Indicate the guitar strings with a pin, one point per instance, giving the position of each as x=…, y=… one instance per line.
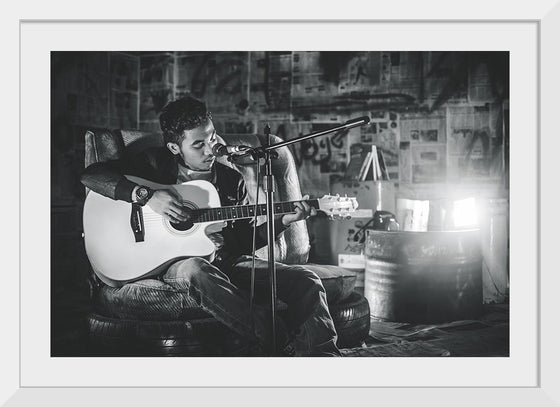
x=152, y=218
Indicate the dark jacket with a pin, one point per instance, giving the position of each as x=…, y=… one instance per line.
x=161, y=166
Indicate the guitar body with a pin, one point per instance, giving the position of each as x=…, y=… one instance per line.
x=115, y=255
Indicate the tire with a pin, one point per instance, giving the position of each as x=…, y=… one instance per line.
x=206, y=337
x=351, y=319
x=121, y=337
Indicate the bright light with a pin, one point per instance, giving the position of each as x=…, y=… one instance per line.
x=465, y=213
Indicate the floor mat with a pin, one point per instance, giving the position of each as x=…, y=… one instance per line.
x=395, y=332
x=487, y=336
x=404, y=349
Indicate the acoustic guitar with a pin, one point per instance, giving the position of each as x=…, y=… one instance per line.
x=126, y=242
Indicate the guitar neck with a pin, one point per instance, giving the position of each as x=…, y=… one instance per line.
x=225, y=213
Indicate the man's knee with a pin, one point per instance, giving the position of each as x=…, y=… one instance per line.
x=188, y=269
x=307, y=281
x=306, y=295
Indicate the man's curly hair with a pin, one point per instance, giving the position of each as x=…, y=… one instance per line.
x=182, y=114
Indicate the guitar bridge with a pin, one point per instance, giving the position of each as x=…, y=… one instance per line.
x=137, y=222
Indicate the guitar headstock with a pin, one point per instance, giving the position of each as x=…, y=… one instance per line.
x=338, y=207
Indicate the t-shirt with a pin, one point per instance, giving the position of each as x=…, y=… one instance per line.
x=185, y=174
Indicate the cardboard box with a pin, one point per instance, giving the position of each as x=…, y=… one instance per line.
x=341, y=237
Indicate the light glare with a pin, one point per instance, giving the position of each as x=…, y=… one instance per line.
x=465, y=213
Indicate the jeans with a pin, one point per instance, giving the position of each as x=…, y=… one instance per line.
x=224, y=293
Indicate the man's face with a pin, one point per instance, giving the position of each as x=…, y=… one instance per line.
x=196, y=147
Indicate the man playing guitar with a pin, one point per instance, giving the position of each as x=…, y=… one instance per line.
x=220, y=285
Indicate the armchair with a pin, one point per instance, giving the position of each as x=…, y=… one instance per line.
x=176, y=324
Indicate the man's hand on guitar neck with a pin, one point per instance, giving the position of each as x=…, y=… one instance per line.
x=169, y=204
x=303, y=211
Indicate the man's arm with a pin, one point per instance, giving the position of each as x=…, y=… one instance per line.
x=239, y=236
x=107, y=178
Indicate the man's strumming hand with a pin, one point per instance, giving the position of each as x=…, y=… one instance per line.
x=168, y=204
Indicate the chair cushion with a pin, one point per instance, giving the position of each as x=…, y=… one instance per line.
x=154, y=300
x=338, y=281
x=148, y=299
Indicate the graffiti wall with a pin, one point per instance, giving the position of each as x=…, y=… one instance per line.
x=436, y=116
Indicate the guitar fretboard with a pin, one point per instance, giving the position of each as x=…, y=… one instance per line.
x=244, y=211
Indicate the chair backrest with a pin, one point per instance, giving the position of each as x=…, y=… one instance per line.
x=291, y=248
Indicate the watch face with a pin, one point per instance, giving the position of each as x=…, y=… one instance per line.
x=142, y=193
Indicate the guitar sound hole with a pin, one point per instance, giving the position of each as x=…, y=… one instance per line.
x=182, y=226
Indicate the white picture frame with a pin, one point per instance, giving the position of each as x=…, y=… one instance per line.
x=31, y=377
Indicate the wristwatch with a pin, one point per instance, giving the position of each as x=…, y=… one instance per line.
x=143, y=195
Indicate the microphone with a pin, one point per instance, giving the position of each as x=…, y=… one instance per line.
x=220, y=150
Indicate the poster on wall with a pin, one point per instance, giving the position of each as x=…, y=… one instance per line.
x=321, y=159
x=423, y=127
x=313, y=98
x=270, y=83
x=427, y=163
x=361, y=72
x=475, y=152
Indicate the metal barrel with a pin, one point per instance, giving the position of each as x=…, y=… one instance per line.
x=423, y=277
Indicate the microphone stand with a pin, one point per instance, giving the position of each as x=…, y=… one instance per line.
x=267, y=152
